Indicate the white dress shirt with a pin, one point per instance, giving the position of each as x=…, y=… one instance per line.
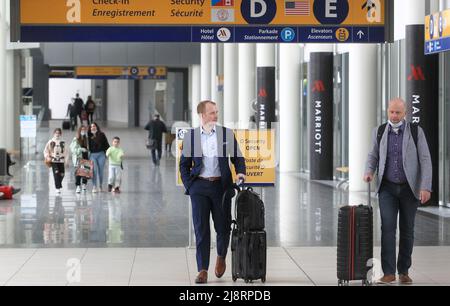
x=210, y=154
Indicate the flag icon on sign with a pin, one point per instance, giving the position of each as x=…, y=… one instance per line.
x=297, y=7
x=222, y=2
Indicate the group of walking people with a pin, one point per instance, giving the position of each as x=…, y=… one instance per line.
x=89, y=150
x=78, y=109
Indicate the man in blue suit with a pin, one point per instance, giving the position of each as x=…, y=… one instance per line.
x=206, y=175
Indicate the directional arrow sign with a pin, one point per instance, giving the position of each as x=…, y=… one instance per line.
x=360, y=34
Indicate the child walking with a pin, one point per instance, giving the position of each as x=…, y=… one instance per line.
x=115, y=157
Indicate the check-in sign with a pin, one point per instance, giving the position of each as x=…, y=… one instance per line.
x=202, y=20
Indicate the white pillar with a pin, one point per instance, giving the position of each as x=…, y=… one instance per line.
x=230, y=95
x=195, y=94
x=362, y=110
x=10, y=101
x=216, y=71
x=3, y=103
x=265, y=55
x=247, y=83
x=290, y=153
x=407, y=12
x=444, y=4
x=214, y=92
x=205, y=72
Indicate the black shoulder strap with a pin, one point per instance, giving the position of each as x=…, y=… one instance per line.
x=380, y=132
x=414, y=132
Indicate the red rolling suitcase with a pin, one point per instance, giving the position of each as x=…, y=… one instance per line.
x=354, y=243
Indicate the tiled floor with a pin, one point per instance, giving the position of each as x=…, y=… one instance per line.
x=142, y=236
x=304, y=266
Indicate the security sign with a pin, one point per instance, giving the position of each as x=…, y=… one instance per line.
x=184, y=20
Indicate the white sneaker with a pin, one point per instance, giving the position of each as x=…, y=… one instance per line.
x=94, y=190
x=78, y=189
x=84, y=187
x=58, y=191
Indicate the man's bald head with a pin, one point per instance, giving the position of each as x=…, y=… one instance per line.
x=397, y=110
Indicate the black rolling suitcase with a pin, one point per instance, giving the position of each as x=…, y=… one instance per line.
x=248, y=239
x=66, y=125
x=354, y=243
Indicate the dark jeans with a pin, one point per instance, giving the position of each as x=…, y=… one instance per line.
x=58, y=174
x=90, y=117
x=79, y=179
x=206, y=198
x=395, y=199
x=73, y=123
x=157, y=149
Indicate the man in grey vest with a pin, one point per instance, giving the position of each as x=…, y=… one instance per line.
x=401, y=155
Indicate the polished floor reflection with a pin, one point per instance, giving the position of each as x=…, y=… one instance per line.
x=152, y=212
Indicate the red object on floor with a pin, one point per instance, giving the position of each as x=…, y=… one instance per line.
x=7, y=191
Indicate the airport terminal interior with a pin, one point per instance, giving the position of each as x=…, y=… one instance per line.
x=144, y=234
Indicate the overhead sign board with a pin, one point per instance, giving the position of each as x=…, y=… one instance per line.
x=202, y=20
x=135, y=72
x=437, y=32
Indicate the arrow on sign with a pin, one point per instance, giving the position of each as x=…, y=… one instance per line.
x=360, y=34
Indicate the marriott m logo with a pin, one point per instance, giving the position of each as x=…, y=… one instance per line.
x=416, y=74
x=262, y=93
x=318, y=86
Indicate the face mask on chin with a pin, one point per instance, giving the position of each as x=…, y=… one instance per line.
x=395, y=125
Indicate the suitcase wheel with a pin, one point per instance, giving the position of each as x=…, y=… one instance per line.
x=247, y=281
x=234, y=278
x=263, y=279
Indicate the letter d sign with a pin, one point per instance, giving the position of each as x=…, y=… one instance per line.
x=258, y=11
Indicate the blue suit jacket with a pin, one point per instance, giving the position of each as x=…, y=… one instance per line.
x=228, y=149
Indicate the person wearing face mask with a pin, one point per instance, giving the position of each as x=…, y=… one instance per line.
x=79, y=149
x=55, y=154
x=400, y=154
x=98, y=145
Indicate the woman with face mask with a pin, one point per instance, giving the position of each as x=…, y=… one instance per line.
x=55, y=154
x=98, y=145
x=79, y=149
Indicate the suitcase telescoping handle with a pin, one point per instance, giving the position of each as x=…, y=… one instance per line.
x=369, y=195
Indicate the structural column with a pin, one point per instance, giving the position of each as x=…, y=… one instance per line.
x=265, y=86
x=217, y=74
x=3, y=101
x=422, y=86
x=10, y=101
x=195, y=94
x=362, y=110
x=205, y=82
x=247, y=83
x=230, y=96
x=290, y=112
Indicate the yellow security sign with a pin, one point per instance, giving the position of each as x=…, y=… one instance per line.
x=202, y=20
x=258, y=149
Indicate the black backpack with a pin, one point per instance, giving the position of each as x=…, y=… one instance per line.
x=414, y=132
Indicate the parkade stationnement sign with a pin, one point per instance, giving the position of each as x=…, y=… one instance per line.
x=321, y=21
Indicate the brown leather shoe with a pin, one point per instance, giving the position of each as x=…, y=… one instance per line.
x=220, y=266
x=202, y=277
x=387, y=279
x=405, y=279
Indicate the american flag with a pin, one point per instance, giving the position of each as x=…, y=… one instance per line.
x=297, y=7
